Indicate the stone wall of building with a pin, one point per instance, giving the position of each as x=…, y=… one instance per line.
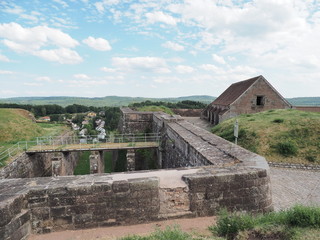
x=247, y=103
x=41, y=205
x=135, y=122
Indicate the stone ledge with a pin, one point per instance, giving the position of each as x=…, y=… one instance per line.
x=295, y=166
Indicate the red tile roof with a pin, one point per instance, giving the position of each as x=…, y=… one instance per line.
x=233, y=92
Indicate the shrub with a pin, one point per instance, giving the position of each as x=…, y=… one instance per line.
x=301, y=216
x=230, y=225
x=286, y=148
x=278, y=120
x=170, y=233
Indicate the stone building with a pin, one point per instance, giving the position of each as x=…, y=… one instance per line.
x=249, y=96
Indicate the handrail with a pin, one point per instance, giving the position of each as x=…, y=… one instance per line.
x=91, y=139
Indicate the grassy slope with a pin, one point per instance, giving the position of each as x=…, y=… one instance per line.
x=264, y=132
x=15, y=125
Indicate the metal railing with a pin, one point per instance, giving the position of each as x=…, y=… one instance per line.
x=79, y=143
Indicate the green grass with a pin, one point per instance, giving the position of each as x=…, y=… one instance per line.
x=293, y=223
x=17, y=125
x=279, y=135
x=156, y=109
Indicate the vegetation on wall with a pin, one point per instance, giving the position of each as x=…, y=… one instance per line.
x=279, y=135
x=186, y=104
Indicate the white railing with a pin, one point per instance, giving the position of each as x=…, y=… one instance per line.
x=43, y=142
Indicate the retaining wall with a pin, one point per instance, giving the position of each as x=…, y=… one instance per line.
x=41, y=205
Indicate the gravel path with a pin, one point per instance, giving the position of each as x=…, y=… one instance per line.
x=290, y=187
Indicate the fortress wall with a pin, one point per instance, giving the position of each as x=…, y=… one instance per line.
x=28, y=166
x=135, y=122
x=38, y=165
x=41, y=205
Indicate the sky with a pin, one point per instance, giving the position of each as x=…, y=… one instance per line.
x=157, y=48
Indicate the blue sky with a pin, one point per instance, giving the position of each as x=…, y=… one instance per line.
x=157, y=48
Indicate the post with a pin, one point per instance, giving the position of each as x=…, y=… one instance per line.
x=236, y=131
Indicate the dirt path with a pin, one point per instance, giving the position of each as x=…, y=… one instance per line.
x=196, y=226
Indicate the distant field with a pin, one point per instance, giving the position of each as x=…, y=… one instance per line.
x=279, y=135
x=116, y=101
x=111, y=101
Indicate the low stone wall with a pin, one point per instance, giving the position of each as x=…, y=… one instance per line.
x=295, y=166
x=42, y=205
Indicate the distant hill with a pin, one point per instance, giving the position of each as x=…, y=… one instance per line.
x=305, y=101
x=111, y=101
x=116, y=101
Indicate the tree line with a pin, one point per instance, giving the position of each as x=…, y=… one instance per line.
x=52, y=109
x=186, y=104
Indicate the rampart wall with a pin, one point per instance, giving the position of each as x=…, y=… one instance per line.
x=41, y=205
x=232, y=178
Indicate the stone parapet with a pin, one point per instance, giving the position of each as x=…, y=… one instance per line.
x=41, y=205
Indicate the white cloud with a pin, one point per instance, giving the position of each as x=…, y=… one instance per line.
x=109, y=70
x=63, y=3
x=32, y=40
x=166, y=79
x=184, y=69
x=154, y=17
x=44, y=79
x=152, y=64
x=6, y=72
x=173, y=46
x=81, y=76
x=100, y=6
x=4, y=58
x=14, y=10
x=99, y=44
x=218, y=59
x=36, y=37
x=61, y=55
x=32, y=84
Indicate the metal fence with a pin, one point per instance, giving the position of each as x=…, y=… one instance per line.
x=41, y=143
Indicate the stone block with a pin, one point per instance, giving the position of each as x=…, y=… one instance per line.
x=120, y=187
x=57, y=211
x=56, y=200
x=141, y=184
x=40, y=213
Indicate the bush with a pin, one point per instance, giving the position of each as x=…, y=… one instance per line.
x=230, y=225
x=301, y=216
x=278, y=120
x=287, y=148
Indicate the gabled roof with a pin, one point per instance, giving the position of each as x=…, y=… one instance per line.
x=233, y=92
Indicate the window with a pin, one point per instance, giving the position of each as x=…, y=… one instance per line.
x=260, y=100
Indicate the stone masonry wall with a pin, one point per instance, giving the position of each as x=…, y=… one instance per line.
x=135, y=122
x=41, y=205
x=246, y=104
x=26, y=166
